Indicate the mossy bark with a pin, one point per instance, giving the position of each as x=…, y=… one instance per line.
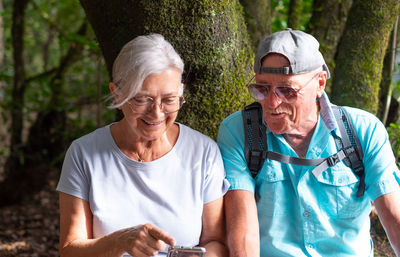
x=257, y=14
x=327, y=24
x=210, y=36
x=385, y=88
x=361, y=51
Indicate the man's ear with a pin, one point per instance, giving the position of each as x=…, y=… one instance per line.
x=322, y=77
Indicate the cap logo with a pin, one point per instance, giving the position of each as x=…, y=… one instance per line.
x=279, y=70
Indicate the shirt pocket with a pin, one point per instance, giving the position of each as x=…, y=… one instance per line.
x=274, y=190
x=337, y=188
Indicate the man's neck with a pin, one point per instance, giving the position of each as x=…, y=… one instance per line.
x=299, y=143
x=301, y=138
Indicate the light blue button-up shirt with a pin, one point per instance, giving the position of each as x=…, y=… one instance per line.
x=303, y=215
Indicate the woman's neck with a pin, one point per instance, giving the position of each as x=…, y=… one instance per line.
x=140, y=149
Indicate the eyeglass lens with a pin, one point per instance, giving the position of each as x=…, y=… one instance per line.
x=167, y=105
x=260, y=92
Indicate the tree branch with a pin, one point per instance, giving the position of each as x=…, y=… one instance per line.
x=41, y=75
x=74, y=49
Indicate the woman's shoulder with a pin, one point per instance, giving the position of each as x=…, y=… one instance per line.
x=190, y=134
x=92, y=139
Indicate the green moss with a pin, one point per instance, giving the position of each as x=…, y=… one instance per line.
x=359, y=65
x=212, y=39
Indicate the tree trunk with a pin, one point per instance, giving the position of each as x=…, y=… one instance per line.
x=294, y=13
x=210, y=36
x=361, y=51
x=385, y=92
x=17, y=103
x=327, y=24
x=1, y=37
x=257, y=14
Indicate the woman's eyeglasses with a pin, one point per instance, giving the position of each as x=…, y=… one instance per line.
x=144, y=104
x=260, y=91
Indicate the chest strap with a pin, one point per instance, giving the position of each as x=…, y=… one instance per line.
x=256, y=149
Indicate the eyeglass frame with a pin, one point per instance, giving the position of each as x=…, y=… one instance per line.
x=151, y=105
x=283, y=98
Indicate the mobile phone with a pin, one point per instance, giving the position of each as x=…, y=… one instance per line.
x=186, y=251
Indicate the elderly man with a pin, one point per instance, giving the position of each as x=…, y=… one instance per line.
x=291, y=207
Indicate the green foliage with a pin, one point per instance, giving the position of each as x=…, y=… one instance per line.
x=394, y=128
x=50, y=31
x=280, y=14
x=394, y=137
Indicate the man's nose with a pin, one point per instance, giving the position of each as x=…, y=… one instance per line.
x=272, y=99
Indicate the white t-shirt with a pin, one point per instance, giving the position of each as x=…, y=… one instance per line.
x=168, y=192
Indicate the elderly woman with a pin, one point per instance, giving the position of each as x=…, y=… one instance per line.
x=145, y=182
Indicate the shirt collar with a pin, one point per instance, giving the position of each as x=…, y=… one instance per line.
x=327, y=113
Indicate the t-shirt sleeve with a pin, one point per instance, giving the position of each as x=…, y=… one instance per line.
x=231, y=143
x=381, y=172
x=73, y=179
x=215, y=183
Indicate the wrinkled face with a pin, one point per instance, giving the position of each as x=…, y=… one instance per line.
x=299, y=115
x=153, y=123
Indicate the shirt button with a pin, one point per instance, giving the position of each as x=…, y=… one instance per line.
x=306, y=214
x=310, y=246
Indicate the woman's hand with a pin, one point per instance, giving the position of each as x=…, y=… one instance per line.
x=76, y=236
x=143, y=240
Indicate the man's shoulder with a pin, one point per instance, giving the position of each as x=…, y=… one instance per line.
x=361, y=117
x=233, y=119
x=370, y=130
x=357, y=111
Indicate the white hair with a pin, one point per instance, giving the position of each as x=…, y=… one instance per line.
x=139, y=58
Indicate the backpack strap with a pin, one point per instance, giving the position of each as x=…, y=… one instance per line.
x=256, y=148
x=255, y=139
x=350, y=144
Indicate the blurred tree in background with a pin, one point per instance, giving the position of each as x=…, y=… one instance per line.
x=50, y=78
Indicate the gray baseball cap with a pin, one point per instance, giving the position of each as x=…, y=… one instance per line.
x=300, y=48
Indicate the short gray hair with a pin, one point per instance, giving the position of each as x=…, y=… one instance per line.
x=139, y=58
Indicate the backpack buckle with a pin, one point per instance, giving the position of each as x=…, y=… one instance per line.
x=255, y=158
x=333, y=160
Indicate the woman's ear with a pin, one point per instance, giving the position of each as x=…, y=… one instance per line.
x=114, y=91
